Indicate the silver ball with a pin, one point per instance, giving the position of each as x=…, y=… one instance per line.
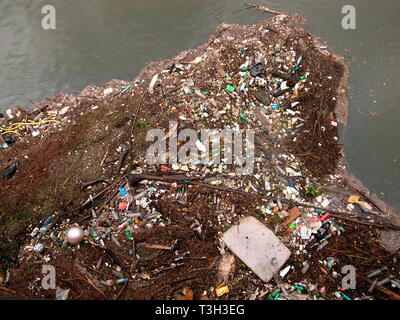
x=38, y=248
x=75, y=235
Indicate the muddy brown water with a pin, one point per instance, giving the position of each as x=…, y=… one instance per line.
x=97, y=40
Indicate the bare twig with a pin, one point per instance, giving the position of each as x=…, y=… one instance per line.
x=109, y=252
x=122, y=290
x=262, y=8
x=156, y=246
x=8, y=290
x=90, y=183
x=97, y=289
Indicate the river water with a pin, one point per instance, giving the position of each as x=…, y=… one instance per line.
x=98, y=40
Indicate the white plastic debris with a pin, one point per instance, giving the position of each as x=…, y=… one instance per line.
x=197, y=60
x=153, y=83
x=62, y=294
x=285, y=271
x=325, y=203
x=108, y=91
x=257, y=247
x=201, y=146
x=9, y=113
x=63, y=111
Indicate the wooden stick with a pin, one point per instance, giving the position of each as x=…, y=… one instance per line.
x=123, y=288
x=109, y=252
x=123, y=156
x=103, y=191
x=94, y=270
x=92, y=182
x=157, y=246
x=97, y=289
x=8, y=290
x=262, y=8
x=389, y=293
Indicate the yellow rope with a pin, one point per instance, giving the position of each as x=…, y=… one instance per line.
x=10, y=131
x=17, y=125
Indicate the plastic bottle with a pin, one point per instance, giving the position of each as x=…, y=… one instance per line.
x=9, y=172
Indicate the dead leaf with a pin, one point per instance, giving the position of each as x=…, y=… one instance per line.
x=294, y=213
x=353, y=199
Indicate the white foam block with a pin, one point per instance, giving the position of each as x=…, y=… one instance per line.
x=257, y=247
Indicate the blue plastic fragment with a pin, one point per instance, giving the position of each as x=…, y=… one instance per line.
x=122, y=192
x=47, y=221
x=126, y=89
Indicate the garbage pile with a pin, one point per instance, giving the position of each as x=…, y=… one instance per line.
x=198, y=229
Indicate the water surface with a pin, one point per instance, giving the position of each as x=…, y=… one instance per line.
x=98, y=40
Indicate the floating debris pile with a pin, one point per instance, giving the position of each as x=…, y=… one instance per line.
x=145, y=230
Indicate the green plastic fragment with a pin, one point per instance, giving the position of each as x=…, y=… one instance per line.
x=244, y=69
x=206, y=92
x=293, y=226
x=345, y=297
x=230, y=88
x=301, y=78
x=340, y=228
x=242, y=116
x=319, y=211
x=298, y=288
x=129, y=235
x=295, y=69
